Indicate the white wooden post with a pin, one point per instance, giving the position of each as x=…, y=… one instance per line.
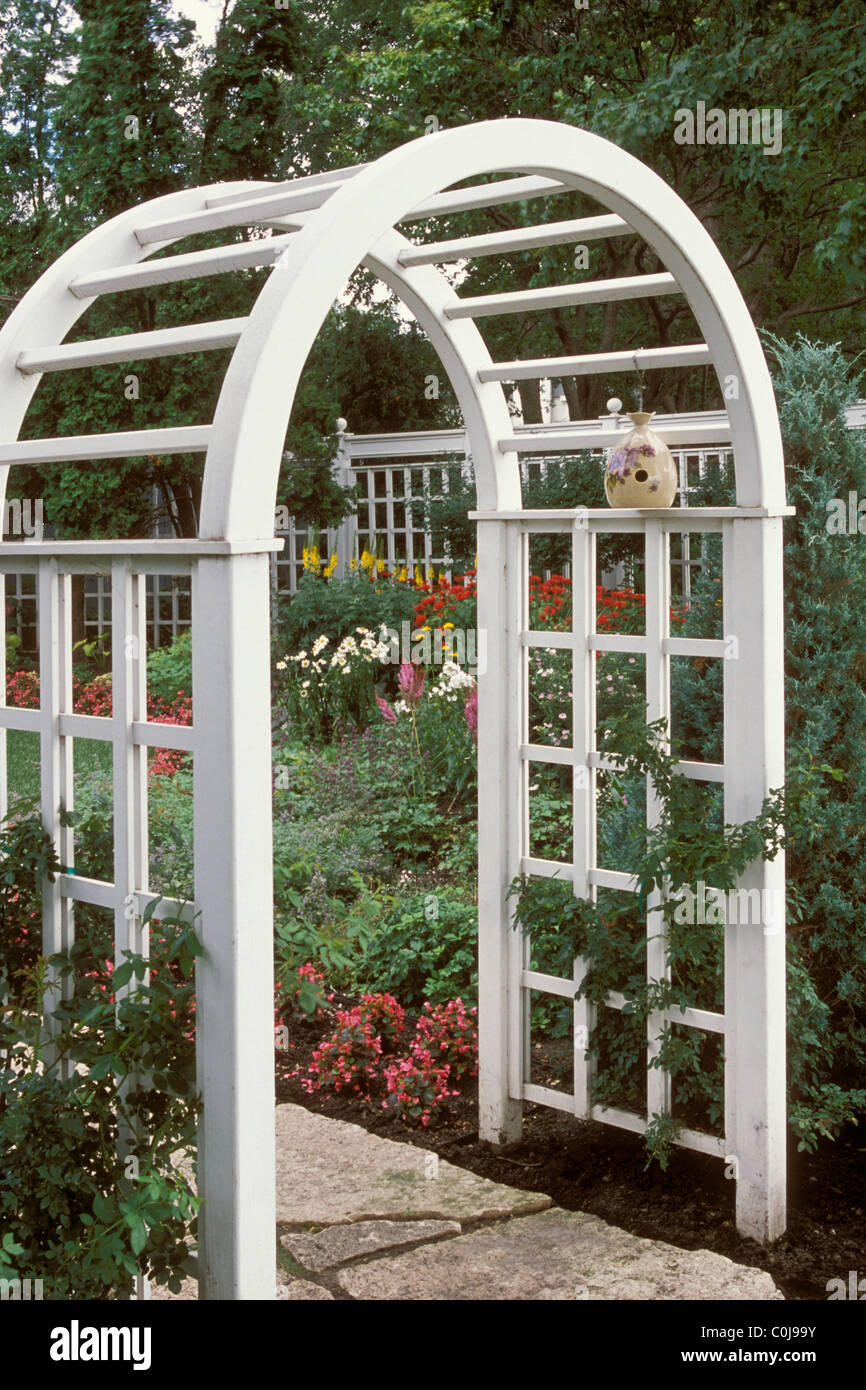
x=234, y=892
x=129, y=766
x=347, y=531
x=129, y=704
x=658, y=693
x=583, y=683
x=55, y=688
x=500, y=947
x=755, y=1085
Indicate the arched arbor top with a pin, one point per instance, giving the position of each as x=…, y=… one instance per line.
x=325, y=226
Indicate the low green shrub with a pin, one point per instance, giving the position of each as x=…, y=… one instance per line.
x=424, y=947
x=334, y=608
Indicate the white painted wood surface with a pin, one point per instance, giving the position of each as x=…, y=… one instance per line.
x=558, y=296
x=520, y=239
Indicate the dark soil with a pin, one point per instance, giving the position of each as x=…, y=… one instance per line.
x=593, y=1167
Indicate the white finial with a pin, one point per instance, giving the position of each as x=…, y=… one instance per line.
x=614, y=405
x=341, y=424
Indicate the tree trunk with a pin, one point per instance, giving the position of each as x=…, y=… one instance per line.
x=530, y=400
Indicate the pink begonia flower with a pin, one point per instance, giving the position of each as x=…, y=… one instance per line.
x=411, y=682
x=471, y=712
x=385, y=710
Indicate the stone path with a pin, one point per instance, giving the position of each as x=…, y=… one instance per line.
x=360, y=1217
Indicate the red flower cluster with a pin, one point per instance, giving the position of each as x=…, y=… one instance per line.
x=619, y=610
x=445, y=1047
x=550, y=601
x=349, y=1059
x=22, y=689
x=92, y=697
x=417, y=1087
x=450, y=1034
x=442, y=604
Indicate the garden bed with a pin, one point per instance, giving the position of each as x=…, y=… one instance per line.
x=588, y=1166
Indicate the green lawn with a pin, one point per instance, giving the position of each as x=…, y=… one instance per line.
x=22, y=752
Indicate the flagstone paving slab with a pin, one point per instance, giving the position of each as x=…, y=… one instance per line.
x=337, y=1245
x=555, y=1255
x=330, y=1172
x=347, y=1201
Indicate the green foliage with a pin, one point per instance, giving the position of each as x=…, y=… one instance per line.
x=27, y=858
x=566, y=482
x=85, y=1207
x=424, y=947
x=825, y=688
x=334, y=608
x=660, y=1135
x=622, y=70
x=170, y=813
x=169, y=669
x=307, y=487
x=689, y=843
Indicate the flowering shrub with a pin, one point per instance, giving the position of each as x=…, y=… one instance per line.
x=167, y=761
x=327, y=684
x=417, y=1087
x=385, y=1014
x=22, y=689
x=304, y=991
x=449, y=1033
x=349, y=1059
x=92, y=697
x=451, y=602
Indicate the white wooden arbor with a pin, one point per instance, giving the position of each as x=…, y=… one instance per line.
x=327, y=225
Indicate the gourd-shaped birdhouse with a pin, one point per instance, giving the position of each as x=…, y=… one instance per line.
x=640, y=472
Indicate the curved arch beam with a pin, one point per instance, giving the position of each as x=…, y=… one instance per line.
x=49, y=309
x=462, y=355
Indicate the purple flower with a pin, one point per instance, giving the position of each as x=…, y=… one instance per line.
x=471, y=712
x=385, y=710
x=411, y=682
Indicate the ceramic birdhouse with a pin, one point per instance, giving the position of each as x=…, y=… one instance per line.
x=640, y=472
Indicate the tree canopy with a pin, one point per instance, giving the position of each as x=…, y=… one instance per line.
x=104, y=103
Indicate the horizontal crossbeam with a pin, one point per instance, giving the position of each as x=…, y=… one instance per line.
x=185, y=439
x=126, y=347
x=486, y=195
x=248, y=212
x=275, y=205
x=193, y=265
x=617, y=642
x=520, y=239
x=676, y=436
x=648, y=359
x=306, y=181
x=558, y=296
